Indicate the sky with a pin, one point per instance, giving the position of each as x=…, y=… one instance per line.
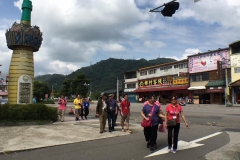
x=78, y=33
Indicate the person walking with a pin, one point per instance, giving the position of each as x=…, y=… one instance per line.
x=62, y=107
x=102, y=112
x=34, y=100
x=172, y=120
x=113, y=110
x=86, y=106
x=78, y=104
x=125, y=112
x=151, y=112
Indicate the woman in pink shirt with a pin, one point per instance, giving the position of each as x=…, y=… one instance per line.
x=62, y=107
x=173, y=112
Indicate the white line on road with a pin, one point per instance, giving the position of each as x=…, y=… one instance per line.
x=184, y=145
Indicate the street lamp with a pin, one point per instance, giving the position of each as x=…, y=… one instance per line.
x=85, y=84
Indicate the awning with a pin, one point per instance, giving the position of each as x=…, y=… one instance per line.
x=217, y=83
x=3, y=93
x=164, y=88
x=196, y=88
x=235, y=83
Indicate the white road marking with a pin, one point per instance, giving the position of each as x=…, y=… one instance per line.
x=184, y=145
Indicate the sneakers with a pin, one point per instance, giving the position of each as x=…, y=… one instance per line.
x=169, y=150
x=174, y=151
x=128, y=131
x=151, y=149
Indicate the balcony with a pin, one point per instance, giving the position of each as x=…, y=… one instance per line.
x=131, y=80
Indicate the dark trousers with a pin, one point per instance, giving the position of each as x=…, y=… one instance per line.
x=81, y=114
x=174, y=137
x=150, y=134
x=111, y=119
x=86, y=112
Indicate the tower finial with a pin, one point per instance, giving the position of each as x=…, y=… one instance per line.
x=26, y=12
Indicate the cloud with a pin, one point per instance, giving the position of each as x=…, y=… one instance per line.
x=114, y=47
x=76, y=33
x=187, y=52
x=154, y=44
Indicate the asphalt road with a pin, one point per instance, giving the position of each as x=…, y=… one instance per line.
x=204, y=120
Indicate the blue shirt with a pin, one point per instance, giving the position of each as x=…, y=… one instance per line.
x=112, y=103
x=147, y=110
x=86, y=105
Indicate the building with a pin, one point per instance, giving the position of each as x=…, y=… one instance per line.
x=207, y=76
x=130, y=84
x=3, y=86
x=162, y=80
x=235, y=72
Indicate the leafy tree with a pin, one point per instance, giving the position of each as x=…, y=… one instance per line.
x=75, y=86
x=96, y=95
x=40, y=89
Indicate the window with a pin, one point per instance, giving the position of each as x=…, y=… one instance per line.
x=131, y=85
x=143, y=73
x=199, y=77
x=185, y=65
x=180, y=66
x=176, y=66
x=237, y=70
x=161, y=69
x=153, y=71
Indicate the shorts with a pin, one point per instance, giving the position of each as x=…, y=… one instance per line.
x=125, y=117
x=78, y=111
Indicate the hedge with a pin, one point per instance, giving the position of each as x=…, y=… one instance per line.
x=28, y=112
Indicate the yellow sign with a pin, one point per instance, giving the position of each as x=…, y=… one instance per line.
x=181, y=81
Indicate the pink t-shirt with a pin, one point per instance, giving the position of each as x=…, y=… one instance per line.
x=173, y=112
x=62, y=104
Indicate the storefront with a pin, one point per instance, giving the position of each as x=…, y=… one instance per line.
x=198, y=92
x=216, y=90
x=235, y=87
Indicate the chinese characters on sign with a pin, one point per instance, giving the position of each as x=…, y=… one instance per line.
x=181, y=81
x=24, y=94
x=163, y=81
x=207, y=62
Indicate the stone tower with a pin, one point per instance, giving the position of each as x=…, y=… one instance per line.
x=23, y=39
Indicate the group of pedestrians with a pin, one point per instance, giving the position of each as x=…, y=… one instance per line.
x=81, y=107
x=152, y=112
x=108, y=109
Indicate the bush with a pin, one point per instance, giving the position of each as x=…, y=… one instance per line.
x=28, y=112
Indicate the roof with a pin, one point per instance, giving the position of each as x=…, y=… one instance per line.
x=163, y=64
x=163, y=88
x=235, y=83
x=216, y=83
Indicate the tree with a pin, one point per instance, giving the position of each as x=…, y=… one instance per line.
x=40, y=89
x=75, y=86
x=96, y=95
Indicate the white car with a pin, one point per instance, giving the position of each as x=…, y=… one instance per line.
x=4, y=101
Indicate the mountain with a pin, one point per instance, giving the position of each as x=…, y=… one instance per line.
x=103, y=75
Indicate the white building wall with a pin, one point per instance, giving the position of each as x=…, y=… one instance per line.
x=160, y=73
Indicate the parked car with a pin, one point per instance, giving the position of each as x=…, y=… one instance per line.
x=4, y=101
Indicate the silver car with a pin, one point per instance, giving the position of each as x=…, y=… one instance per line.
x=4, y=101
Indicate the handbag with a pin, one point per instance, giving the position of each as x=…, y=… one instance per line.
x=146, y=123
x=162, y=128
x=172, y=122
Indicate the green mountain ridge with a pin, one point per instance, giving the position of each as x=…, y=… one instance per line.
x=102, y=75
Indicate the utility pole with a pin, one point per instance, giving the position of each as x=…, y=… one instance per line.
x=117, y=89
